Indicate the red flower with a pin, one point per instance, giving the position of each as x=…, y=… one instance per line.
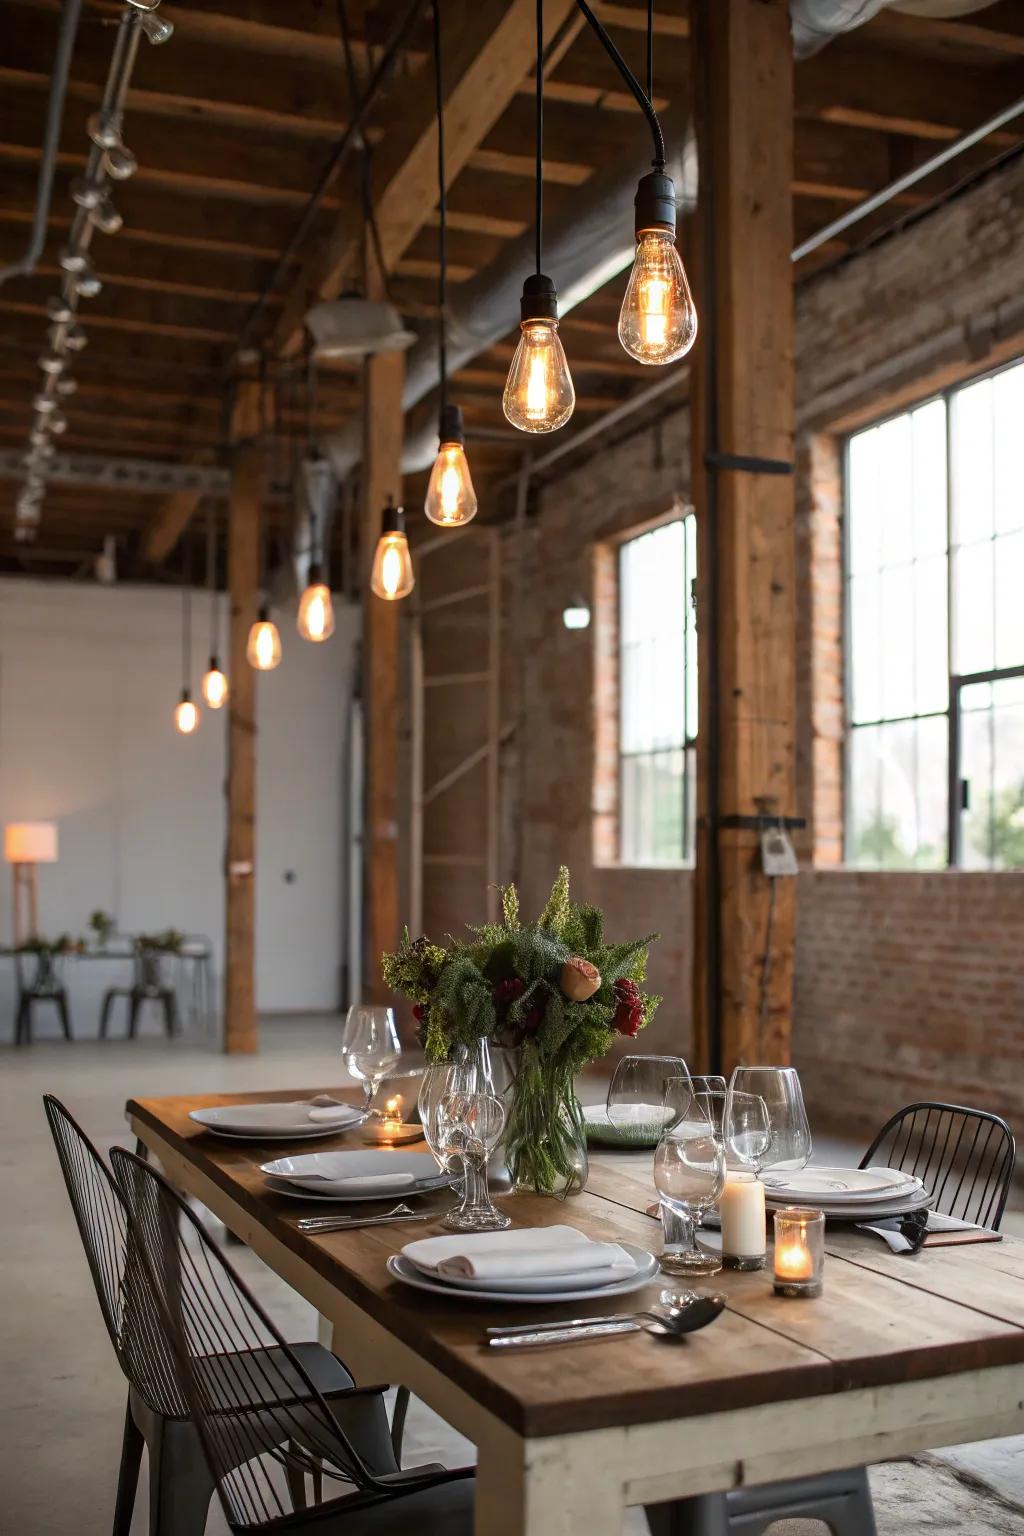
x=505, y=992
x=418, y=1011
x=629, y=1009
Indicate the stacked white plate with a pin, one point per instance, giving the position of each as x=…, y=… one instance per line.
x=528, y=1264
x=848, y=1194
x=385, y=1174
x=301, y=1120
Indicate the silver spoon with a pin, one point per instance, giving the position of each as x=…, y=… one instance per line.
x=664, y=1319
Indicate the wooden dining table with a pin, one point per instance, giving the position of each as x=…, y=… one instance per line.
x=899, y=1353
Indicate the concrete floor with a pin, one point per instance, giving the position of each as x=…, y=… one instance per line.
x=61, y=1392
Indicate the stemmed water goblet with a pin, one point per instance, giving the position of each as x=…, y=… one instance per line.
x=370, y=1045
x=469, y=1126
x=789, y=1142
x=647, y=1094
x=689, y=1175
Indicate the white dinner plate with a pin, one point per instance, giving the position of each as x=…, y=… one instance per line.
x=273, y=1122
x=840, y=1186
x=403, y=1269
x=339, y=1173
x=871, y=1210
x=405, y=1192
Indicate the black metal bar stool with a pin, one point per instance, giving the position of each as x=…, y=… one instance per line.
x=43, y=985
x=149, y=984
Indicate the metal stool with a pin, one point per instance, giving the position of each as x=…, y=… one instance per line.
x=44, y=986
x=148, y=985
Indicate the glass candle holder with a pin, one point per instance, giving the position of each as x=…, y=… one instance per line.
x=799, y=1252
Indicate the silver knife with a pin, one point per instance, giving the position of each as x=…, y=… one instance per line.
x=564, y=1335
x=346, y=1223
x=570, y=1322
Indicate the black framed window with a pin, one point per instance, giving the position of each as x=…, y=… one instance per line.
x=935, y=632
x=657, y=694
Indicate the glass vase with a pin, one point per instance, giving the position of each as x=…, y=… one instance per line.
x=545, y=1137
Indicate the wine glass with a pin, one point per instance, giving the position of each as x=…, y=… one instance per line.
x=746, y=1129
x=689, y=1175
x=440, y=1080
x=712, y=1084
x=469, y=1126
x=648, y=1093
x=370, y=1045
x=790, y=1146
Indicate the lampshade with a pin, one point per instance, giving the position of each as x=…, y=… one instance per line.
x=30, y=842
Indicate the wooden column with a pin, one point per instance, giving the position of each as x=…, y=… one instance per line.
x=241, y=1033
x=742, y=402
x=384, y=431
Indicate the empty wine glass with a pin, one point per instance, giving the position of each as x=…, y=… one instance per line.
x=370, y=1045
x=440, y=1080
x=648, y=1093
x=689, y=1175
x=746, y=1129
x=469, y=1126
x=711, y=1084
x=789, y=1148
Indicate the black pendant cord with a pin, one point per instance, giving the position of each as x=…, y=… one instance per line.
x=211, y=571
x=650, y=51
x=635, y=87
x=186, y=626
x=442, y=212
x=365, y=182
x=315, y=551
x=539, y=148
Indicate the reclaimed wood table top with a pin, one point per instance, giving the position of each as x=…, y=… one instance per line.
x=883, y=1319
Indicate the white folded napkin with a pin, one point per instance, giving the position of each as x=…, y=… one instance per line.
x=324, y=1111
x=356, y=1180
x=532, y=1252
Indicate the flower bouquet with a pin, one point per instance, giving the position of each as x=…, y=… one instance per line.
x=552, y=989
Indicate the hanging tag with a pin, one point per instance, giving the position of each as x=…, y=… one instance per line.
x=777, y=853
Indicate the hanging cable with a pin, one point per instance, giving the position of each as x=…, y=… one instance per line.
x=539, y=137
x=650, y=51
x=442, y=209
x=646, y=106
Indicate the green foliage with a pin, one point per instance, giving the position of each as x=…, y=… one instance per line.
x=503, y=982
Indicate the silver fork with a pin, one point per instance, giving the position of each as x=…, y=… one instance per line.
x=401, y=1212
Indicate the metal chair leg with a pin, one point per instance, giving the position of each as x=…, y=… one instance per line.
x=398, y=1416
x=65, y=1018
x=128, y=1474
x=180, y=1485
x=133, y=1015
x=108, y=1003
x=170, y=1013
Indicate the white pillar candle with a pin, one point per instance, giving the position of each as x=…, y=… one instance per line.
x=741, y=1210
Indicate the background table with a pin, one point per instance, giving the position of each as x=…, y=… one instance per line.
x=898, y=1355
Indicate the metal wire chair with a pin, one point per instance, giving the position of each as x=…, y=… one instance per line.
x=964, y=1157
x=226, y=1350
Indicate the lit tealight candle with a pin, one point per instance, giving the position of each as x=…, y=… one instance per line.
x=799, y=1252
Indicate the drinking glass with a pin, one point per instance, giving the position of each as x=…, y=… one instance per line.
x=370, y=1045
x=649, y=1093
x=441, y=1080
x=789, y=1148
x=709, y=1084
x=746, y=1130
x=689, y=1175
x=469, y=1126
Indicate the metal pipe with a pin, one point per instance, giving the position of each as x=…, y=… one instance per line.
x=902, y=183
x=54, y=117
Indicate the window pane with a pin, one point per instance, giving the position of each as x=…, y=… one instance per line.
x=1009, y=616
x=975, y=647
x=866, y=647
x=865, y=522
x=992, y=762
x=898, y=795
x=972, y=463
x=929, y=426
x=896, y=489
x=1008, y=445
x=930, y=642
x=658, y=694
x=898, y=642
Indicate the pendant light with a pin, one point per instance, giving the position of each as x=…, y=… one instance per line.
x=186, y=715
x=539, y=395
x=214, y=686
x=315, y=620
x=451, y=500
x=263, y=647
x=392, y=575
x=658, y=319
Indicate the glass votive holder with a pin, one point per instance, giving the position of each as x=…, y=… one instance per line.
x=799, y=1252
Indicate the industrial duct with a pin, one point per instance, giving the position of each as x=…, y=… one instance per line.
x=817, y=22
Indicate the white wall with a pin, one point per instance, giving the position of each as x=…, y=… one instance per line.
x=89, y=678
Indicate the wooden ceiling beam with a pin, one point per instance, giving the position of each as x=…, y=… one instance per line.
x=486, y=61
x=997, y=29
x=168, y=523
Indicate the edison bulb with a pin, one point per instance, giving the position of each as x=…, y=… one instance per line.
x=658, y=319
x=316, y=614
x=451, y=500
x=539, y=396
x=263, y=648
x=392, y=577
x=214, y=686
x=186, y=715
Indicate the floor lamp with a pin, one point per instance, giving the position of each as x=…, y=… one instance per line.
x=27, y=844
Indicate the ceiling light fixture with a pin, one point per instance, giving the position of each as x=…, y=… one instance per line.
x=451, y=500
x=315, y=620
x=539, y=394
x=392, y=575
x=214, y=686
x=186, y=715
x=658, y=319
x=576, y=613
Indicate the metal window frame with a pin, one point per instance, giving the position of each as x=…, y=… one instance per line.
x=956, y=681
x=688, y=743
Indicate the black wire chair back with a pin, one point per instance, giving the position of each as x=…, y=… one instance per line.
x=965, y=1157
x=114, y=1261
x=227, y=1353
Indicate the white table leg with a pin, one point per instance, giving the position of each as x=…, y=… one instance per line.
x=555, y=1487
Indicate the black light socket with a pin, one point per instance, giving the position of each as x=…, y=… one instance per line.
x=450, y=427
x=539, y=300
x=214, y=665
x=263, y=617
x=655, y=203
x=186, y=696
x=392, y=518
x=315, y=574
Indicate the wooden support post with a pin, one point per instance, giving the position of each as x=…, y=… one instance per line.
x=742, y=403
x=382, y=477
x=241, y=1031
